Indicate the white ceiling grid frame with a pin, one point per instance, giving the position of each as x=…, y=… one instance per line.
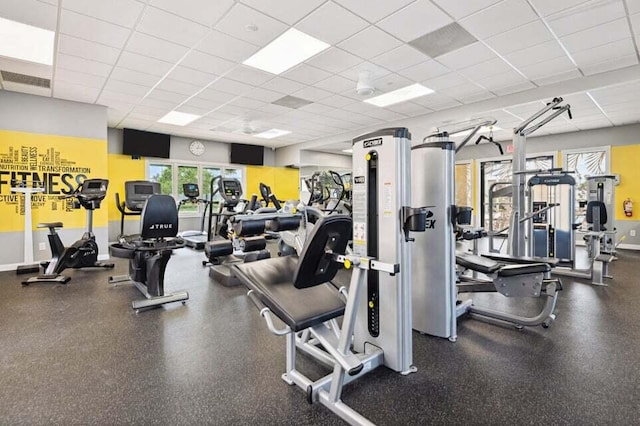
x=415, y=20
x=92, y=29
x=343, y=23
x=369, y=42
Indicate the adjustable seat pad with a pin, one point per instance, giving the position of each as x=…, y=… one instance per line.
x=526, y=260
x=477, y=263
x=272, y=281
x=513, y=270
x=50, y=225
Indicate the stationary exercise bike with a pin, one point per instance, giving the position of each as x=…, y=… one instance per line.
x=84, y=252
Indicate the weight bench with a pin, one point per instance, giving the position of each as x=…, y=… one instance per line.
x=297, y=291
x=529, y=278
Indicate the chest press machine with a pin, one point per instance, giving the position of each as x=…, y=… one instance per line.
x=376, y=325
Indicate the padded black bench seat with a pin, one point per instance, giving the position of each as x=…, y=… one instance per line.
x=525, y=260
x=477, y=263
x=513, y=270
x=272, y=281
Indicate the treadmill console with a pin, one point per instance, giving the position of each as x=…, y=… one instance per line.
x=138, y=191
x=191, y=190
x=230, y=190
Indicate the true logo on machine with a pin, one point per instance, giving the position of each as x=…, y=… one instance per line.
x=372, y=142
x=156, y=226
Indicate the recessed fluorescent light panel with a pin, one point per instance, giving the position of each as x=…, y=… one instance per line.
x=399, y=95
x=178, y=118
x=273, y=133
x=27, y=43
x=288, y=50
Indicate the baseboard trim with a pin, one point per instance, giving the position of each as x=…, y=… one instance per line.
x=629, y=246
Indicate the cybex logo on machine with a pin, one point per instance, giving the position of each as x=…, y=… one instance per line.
x=372, y=143
x=430, y=223
x=161, y=226
x=358, y=179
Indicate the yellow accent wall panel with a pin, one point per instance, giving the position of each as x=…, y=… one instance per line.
x=625, y=161
x=61, y=162
x=121, y=169
x=284, y=182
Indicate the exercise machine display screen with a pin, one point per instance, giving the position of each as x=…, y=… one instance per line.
x=191, y=190
x=137, y=193
x=94, y=188
x=231, y=189
x=143, y=189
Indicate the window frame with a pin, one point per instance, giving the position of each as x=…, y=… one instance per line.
x=174, y=164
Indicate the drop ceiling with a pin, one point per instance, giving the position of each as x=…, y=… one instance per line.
x=143, y=59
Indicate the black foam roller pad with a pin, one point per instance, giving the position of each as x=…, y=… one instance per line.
x=248, y=228
x=253, y=244
x=284, y=224
x=220, y=248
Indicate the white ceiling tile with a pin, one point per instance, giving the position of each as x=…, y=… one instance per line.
x=466, y=56
x=633, y=5
x=125, y=88
x=336, y=84
x=400, y=58
x=331, y=23
x=635, y=23
x=178, y=87
x=334, y=60
x=500, y=81
x=205, y=12
x=135, y=77
x=588, y=16
x=536, y=54
x=524, y=36
x=337, y=101
x=227, y=47
x=231, y=86
x=374, y=71
x=167, y=26
x=595, y=124
x=463, y=90
x=163, y=95
x=548, y=68
x=460, y=9
x=201, y=103
x=562, y=76
x=360, y=107
x=75, y=92
x=486, y=69
x=549, y=7
x=409, y=108
x=499, y=18
x=87, y=49
x=233, y=110
x=30, y=12
x=306, y=74
x=91, y=29
x=247, y=103
x=155, y=48
x=611, y=64
x=418, y=18
x=311, y=93
x=79, y=64
x=317, y=108
x=289, y=11
x=144, y=64
x=206, y=63
x=252, y=76
x=439, y=84
x=424, y=71
x=436, y=101
x=121, y=12
x=151, y=111
x=513, y=88
x=135, y=115
x=282, y=85
x=390, y=82
x=189, y=75
x=132, y=123
x=386, y=115
x=373, y=11
x=369, y=43
x=475, y=97
x=597, y=36
x=606, y=52
x=240, y=16
x=119, y=100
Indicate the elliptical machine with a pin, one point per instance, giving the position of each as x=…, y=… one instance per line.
x=84, y=252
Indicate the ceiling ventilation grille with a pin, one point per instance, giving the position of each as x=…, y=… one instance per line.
x=29, y=80
x=291, y=102
x=444, y=40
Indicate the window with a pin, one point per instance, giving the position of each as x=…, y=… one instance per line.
x=173, y=174
x=496, y=176
x=585, y=164
x=464, y=185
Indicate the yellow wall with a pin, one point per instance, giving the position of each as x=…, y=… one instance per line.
x=121, y=169
x=284, y=182
x=61, y=161
x=625, y=162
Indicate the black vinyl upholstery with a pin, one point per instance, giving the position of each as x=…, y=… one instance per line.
x=477, y=263
x=513, y=270
x=159, y=218
x=272, y=281
x=596, y=205
x=296, y=290
x=523, y=260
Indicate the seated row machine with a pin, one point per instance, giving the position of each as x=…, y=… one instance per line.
x=150, y=251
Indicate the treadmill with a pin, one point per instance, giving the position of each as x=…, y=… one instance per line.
x=194, y=239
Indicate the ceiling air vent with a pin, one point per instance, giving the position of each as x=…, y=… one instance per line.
x=29, y=80
x=444, y=40
x=291, y=102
